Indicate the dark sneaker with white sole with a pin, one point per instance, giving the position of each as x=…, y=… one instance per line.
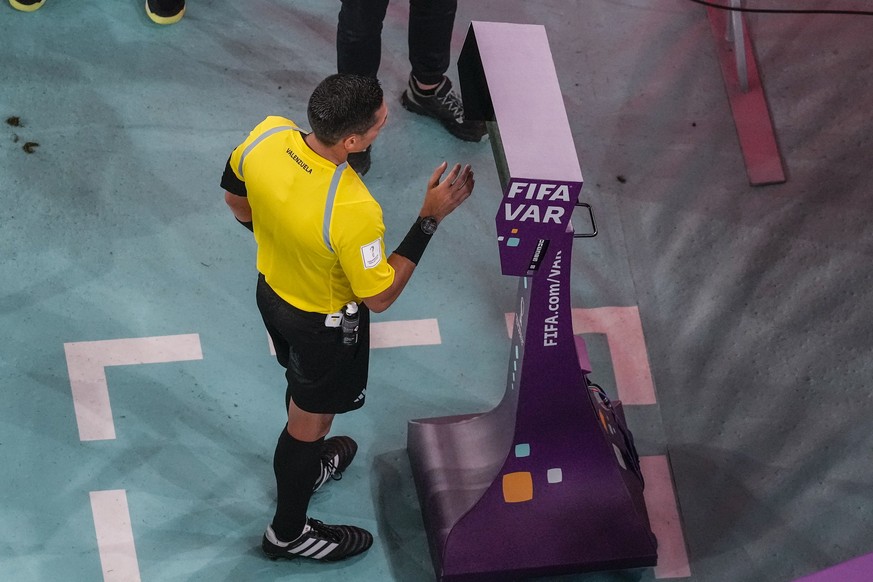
x=27, y=5
x=165, y=11
x=337, y=454
x=444, y=105
x=319, y=541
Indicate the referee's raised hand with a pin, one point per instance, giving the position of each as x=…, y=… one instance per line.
x=445, y=194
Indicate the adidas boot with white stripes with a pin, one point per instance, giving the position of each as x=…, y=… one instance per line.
x=336, y=455
x=319, y=541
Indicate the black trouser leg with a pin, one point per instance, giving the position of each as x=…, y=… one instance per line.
x=297, y=465
x=430, y=38
x=359, y=36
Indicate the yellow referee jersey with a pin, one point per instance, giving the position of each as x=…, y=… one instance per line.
x=319, y=232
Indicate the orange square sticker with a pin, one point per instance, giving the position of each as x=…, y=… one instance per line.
x=517, y=487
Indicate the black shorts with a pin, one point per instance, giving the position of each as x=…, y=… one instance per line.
x=324, y=376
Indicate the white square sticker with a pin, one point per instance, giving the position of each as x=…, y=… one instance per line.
x=371, y=253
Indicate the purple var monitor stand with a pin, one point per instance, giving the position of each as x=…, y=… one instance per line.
x=547, y=482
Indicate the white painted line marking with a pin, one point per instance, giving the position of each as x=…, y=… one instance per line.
x=397, y=334
x=411, y=332
x=114, y=536
x=664, y=518
x=86, y=363
x=627, y=347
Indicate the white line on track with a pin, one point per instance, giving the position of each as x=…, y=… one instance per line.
x=86, y=363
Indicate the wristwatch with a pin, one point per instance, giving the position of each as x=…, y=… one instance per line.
x=428, y=225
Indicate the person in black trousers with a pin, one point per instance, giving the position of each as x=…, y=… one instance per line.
x=429, y=92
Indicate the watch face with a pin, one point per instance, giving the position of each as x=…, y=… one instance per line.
x=428, y=225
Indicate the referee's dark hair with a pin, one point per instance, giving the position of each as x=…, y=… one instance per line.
x=343, y=104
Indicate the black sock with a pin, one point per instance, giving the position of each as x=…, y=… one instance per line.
x=297, y=464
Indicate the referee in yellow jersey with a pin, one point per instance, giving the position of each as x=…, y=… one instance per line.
x=322, y=267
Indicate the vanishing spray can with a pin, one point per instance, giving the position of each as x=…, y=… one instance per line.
x=351, y=317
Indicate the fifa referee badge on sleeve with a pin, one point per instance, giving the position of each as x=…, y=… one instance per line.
x=372, y=253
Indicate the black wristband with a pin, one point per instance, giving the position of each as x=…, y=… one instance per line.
x=414, y=243
x=248, y=224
